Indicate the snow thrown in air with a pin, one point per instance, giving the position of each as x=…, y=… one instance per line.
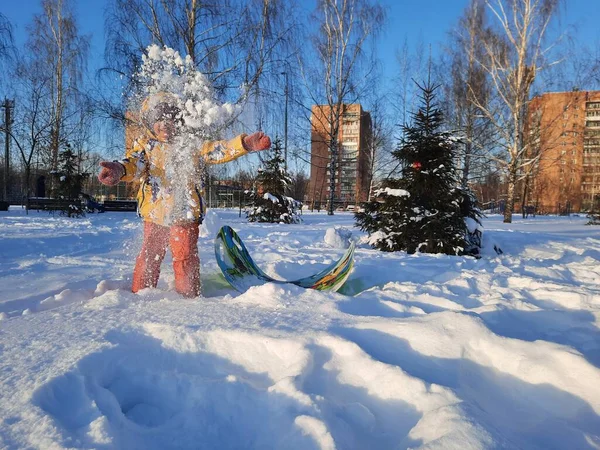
x=201, y=119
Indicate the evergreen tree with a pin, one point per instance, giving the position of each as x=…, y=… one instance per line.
x=424, y=210
x=70, y=182
x=270, y=204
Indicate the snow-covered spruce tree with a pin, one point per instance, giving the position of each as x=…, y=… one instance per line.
x=424, y=210
x=269, y=203
x=70, y=181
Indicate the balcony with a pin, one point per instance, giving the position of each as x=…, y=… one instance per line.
x=592, y=122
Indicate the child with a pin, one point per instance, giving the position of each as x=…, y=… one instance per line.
x=145, y=162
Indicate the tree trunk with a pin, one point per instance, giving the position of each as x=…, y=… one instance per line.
x=334, y=124
x=509, y=206
x=332, y=167
x=27, y=180
x=190, y=38
x=525, y=196
x=466, y=162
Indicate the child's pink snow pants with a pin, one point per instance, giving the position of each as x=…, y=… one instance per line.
x=183, y=241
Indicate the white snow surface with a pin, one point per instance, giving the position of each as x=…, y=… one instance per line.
x=338, y=237
x=415, y=351
x=473, y=225
x=211, y=224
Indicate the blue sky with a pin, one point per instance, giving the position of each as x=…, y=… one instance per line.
x=422, y=20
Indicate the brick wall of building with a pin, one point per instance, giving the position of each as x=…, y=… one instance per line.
x=564, y=127
x=352, y=174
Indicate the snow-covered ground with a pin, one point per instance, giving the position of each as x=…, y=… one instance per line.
x=415, y=352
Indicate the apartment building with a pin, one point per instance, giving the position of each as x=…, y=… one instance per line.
x=564, y=127
x=352, y=174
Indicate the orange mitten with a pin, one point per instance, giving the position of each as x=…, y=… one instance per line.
x=111, y=173
x=257, y=141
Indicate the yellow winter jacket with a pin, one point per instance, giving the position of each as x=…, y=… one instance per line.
x=145, y=162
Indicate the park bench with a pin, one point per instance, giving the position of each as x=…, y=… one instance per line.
x=120, y=205
x=48, y=204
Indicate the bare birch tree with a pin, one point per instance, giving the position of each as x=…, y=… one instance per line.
x=34, y=120
x=412, y=65
x=230, y=41
x=514, y=55
x=60, y=52
x=581, y=70
x=379, y=144
x=344, y=29
x=467, y=87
